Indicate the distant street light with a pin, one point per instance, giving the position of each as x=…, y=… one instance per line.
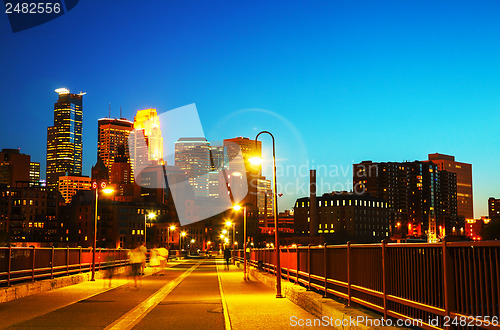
x=181, y=235
x=171, y=228
x=149, y=215
x=94, y=245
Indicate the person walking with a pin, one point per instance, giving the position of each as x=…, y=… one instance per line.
x=135, y=257
x=227, y=256
x=143, y=253
x=154, y=262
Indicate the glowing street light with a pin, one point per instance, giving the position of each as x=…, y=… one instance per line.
x=256, y=160
x=150, y=216
x=224, y=231
x=171, y=228
x=181, y=235
x=106, y=191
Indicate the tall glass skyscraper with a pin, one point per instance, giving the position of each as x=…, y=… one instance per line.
x=111, y=134
x=192, y=155
x=64, y=139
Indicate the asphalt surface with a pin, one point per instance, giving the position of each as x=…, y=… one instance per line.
x=193, y=294
x=194, y=302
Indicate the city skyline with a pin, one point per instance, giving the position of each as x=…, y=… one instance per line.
x=337, y=85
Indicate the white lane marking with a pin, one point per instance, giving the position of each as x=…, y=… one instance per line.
x=135, y=315
x=227, y=320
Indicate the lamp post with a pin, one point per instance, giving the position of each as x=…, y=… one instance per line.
x=149, y=215
x=181, y=235
x=258, y=160
x=237, y=208
x=168, y=235
x=94, y=245
x=231, y=224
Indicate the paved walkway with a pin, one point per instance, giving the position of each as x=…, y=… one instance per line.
x=192, y=294
x=253, y=305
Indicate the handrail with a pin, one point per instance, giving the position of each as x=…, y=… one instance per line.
x=419, y=281
x=29, y=263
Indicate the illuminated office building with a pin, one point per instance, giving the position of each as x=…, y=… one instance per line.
x=218, y=158
x=34, y=173
x=422, y=199
x=265, y=202
x=192, y=155
x=64, y=138
x=14, y=167
x=494, y=208
x=465, y=207
x=248, y=149
x=69, y=185
x=112, y=133
x=147, y=127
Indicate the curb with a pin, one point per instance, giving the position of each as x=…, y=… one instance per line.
x=21, y=290
x=327, y=310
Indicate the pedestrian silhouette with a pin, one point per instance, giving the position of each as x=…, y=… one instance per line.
x=227, y=256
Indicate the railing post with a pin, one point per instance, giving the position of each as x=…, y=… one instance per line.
x=298, y=265
x=348, y=273
x=100, y=251
x=67, y=261
x=80, y=259
x=10, y=265
x=288, y=264
x=52, y=264
x=325, y=264
x=309, y=267
x=33, y=265
x=385, y=272
x=448, y=281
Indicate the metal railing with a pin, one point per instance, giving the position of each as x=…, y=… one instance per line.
x=435, y=283
x=19, y=264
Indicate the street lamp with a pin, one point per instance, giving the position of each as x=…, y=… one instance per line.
x=256, y=160
x=106, y=191
x=231, y=224
x=181, y=235
x=168, y=235
x=149, y=215
x=237, y=208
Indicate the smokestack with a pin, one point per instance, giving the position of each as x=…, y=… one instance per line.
x=313, y=209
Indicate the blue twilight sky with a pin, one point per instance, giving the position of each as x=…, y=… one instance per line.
x=337, y=82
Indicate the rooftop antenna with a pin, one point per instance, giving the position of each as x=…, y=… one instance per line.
x=121, y=111
x=109, y=115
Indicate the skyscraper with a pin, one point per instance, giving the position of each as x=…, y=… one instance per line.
x=422, y=199
x=465, y=207
x=494, y=208
x=112, y=133
x=69, y=185
x=248, y=149
x=148, y=122
x=64, y=139
x=265, y=201
x=34, y=173
x=218, y=157
x=192, y=155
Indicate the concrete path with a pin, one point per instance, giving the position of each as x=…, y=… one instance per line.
x=193, y=294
